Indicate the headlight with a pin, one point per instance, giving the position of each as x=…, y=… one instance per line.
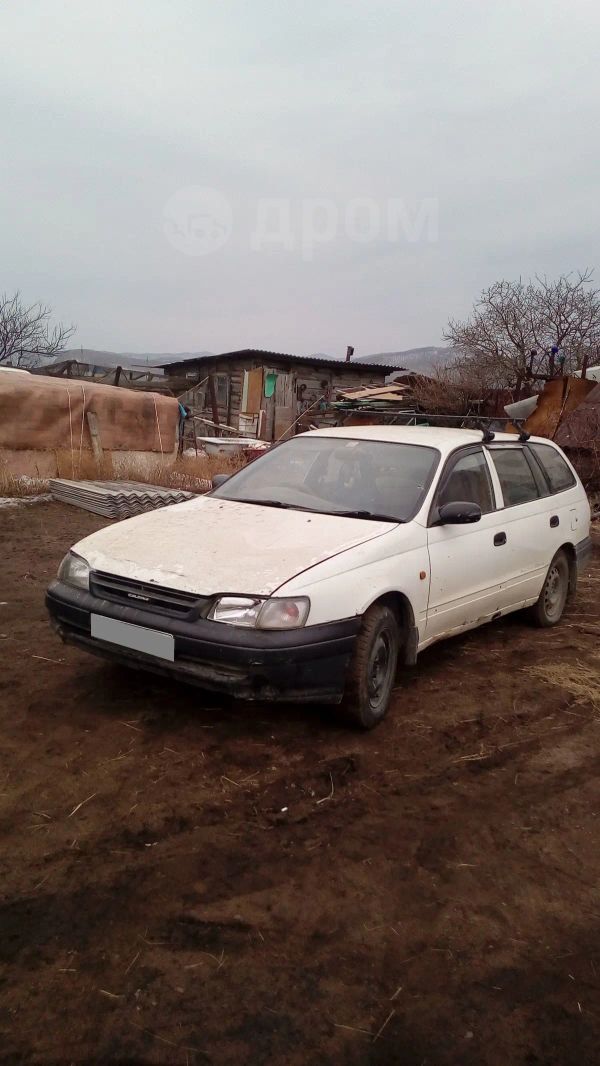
x=261, y=614
x=236, y=610
x=284, y=614
x=74, y=571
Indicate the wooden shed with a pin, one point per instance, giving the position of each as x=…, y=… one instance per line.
x=264, y=394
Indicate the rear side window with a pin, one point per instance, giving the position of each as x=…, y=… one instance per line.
x=516, y=476
x=554, y=466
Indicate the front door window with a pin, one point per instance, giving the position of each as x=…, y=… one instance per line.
x=468, y=481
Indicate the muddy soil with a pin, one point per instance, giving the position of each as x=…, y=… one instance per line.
x=186, y=879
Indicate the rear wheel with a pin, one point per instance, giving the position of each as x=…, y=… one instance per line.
x=548, y=610
x=373, y=668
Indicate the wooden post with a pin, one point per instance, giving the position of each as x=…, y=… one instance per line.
x=270, y=409
x=92, y=422
x=213, y=399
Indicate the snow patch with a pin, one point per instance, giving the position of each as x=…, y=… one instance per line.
x=16, y=501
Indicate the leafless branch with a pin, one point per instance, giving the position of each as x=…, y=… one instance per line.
x=26, y=334
x=520, y=331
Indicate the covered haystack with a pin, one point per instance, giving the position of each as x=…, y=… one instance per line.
x=43, y=416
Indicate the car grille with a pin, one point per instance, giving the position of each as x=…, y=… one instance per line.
x=149, y=597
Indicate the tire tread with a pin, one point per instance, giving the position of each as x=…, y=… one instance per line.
x=355, y=703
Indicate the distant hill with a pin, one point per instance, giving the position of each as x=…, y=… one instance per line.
x=418, y=359
x=421, y=360
x=128, y=360
x=160, y=358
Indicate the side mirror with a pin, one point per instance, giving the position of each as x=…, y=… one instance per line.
x=459, y=513
x=219, y=479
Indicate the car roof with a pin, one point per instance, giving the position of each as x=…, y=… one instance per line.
x=442, y=438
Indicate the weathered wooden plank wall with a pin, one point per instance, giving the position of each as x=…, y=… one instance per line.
x=309, y=389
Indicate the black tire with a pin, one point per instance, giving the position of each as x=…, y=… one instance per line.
x=549, y=609
x=373, y=668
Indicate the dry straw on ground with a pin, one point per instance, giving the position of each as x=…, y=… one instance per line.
x=191, y=473
x=19, y=487
x=577, y=678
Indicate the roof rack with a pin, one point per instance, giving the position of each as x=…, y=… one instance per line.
x=482, y=422
x=520, y=424
x=487, y=433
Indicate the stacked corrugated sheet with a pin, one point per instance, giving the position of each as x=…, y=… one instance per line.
x=116, y=499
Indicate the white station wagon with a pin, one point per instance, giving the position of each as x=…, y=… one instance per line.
x=315, y=571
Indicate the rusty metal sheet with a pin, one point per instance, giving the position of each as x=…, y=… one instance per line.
x=559, y=398
x=581, y=427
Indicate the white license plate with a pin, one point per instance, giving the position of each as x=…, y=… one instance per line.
x=138, y=638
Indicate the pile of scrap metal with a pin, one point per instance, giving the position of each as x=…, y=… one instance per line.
x=568, y=412
x=373, y=403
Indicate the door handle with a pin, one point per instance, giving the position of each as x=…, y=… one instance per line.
x=554, y=521
x=499, y=538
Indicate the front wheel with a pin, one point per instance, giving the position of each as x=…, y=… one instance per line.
x=548, y=610
x=373, y=668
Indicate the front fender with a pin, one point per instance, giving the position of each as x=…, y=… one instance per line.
x=337, y=593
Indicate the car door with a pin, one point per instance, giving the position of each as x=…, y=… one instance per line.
x=528, y=521
x=467, y=566
x=565, y=502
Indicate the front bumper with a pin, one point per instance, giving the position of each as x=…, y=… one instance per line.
x=301, y=665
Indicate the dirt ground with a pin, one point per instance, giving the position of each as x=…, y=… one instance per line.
x=190, y=880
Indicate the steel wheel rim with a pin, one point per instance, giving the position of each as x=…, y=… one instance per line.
x=554, y=592
x=380, y=662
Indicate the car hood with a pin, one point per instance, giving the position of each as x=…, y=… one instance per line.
x=210, y=545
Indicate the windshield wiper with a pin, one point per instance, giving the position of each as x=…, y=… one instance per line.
x=371, y=515
x=263, y=503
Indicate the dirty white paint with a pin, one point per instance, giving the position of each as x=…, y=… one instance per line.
x=346, y=585
x=211, y=545
x=453, y=576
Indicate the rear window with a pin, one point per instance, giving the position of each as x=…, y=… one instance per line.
x=516, y=476
x=554, y=466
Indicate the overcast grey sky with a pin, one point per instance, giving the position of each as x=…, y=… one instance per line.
x=487, y=113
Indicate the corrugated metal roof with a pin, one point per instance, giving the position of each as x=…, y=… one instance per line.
x=267, y=356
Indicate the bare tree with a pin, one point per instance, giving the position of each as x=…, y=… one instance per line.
x=567, y=321
x=26, y=333
x=451, y=388
x=526, y=331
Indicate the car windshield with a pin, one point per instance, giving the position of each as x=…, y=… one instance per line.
x=353, y=477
